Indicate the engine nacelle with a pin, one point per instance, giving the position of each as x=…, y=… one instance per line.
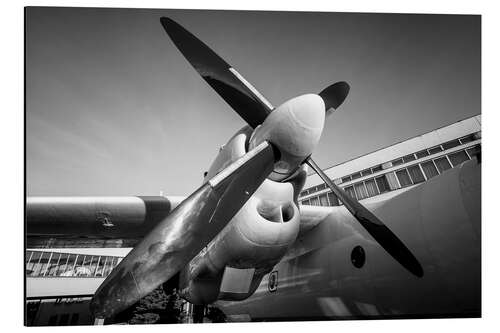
x=233, y=264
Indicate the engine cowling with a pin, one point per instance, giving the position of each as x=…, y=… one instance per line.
x=233, y=264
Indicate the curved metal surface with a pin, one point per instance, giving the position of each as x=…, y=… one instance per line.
x=180, y=236
x=334, y=95
x=375, y=227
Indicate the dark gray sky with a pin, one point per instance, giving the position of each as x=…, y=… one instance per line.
x=112, y=107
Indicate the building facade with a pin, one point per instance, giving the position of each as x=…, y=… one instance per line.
x=61, y=283
x=399, y=166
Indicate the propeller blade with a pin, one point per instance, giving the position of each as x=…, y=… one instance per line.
x=182, y=234
x=375, y=227
x=225, y=80
x=334, y=95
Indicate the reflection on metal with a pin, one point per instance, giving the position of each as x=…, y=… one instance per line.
x=183, y=233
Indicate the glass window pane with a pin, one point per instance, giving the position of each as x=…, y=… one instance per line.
x=346, y=179
x=306, y=202
x=442, y=164
x=350, y=191
x=371, y=187
x=458, y=158
x=314, y=201
x=377, y=168
x=323, y=200
x=334, y=201
x=366, y=172
x=409, y=158
x=391, y=179
x=356, y=175
x=41, y=264
x=422, y=153
x=450, y=144
x=53, y=264
x=100, y=266
x=68, y=268
x=360, y=190
x=467, y=138
x=403, y=177
x=321, y=187
x=61, y=268
x=416, y=174
x=305, y=192
x=429, y=169
x=382, y=184
x=474, y=151
x=397, y=161
x=435, y=150
x=32, y=265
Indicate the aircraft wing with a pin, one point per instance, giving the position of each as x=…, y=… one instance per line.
x=95, y=217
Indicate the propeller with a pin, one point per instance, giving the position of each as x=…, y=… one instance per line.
x=183, y=233
x=198, y=219
x=254, y=109
x=225, y=80
x=334, y=95
x=375, y=227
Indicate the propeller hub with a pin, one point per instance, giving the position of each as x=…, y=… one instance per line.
x=294, y=128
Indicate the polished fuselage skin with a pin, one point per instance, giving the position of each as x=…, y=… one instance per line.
x=439, y=220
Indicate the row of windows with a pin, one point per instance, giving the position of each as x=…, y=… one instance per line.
x=401, y=178
x=50, y=264
x=398, y=161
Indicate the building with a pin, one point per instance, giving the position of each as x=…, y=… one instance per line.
x=60, y=284
x=402, y=165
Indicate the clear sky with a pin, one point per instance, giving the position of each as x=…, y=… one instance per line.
x=112, y=107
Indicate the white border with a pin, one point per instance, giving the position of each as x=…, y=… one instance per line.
x=11, y=200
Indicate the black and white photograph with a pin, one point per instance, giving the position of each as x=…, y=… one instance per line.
x=217, y=166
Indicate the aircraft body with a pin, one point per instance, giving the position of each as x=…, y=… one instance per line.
x=243, y=242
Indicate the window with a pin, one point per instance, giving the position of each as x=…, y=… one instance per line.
x=371, y=187
x=382, y=184
x=474, y=151
x=467, y=138
x=356, y=175
x=435, y=150
x=397, y=162
x=409, y=158
x=321, y=187
x=346, y=179
x=451, y=144
x=422, y=153
x=391, y=179
x=314, y=201
x=442, y=164
x=54, y=263
x=350, y=191
x=360, y=190
x=366, y=172
x=429, y=169
x=403, y=177
x=377, y=168
x=304, y=193
x=334, y=201
x=458, y=158
x=416, y=174
x=323, y=199
x=62, y=264
x=33, y=263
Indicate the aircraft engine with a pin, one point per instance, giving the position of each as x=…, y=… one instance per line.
x=234, y=263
